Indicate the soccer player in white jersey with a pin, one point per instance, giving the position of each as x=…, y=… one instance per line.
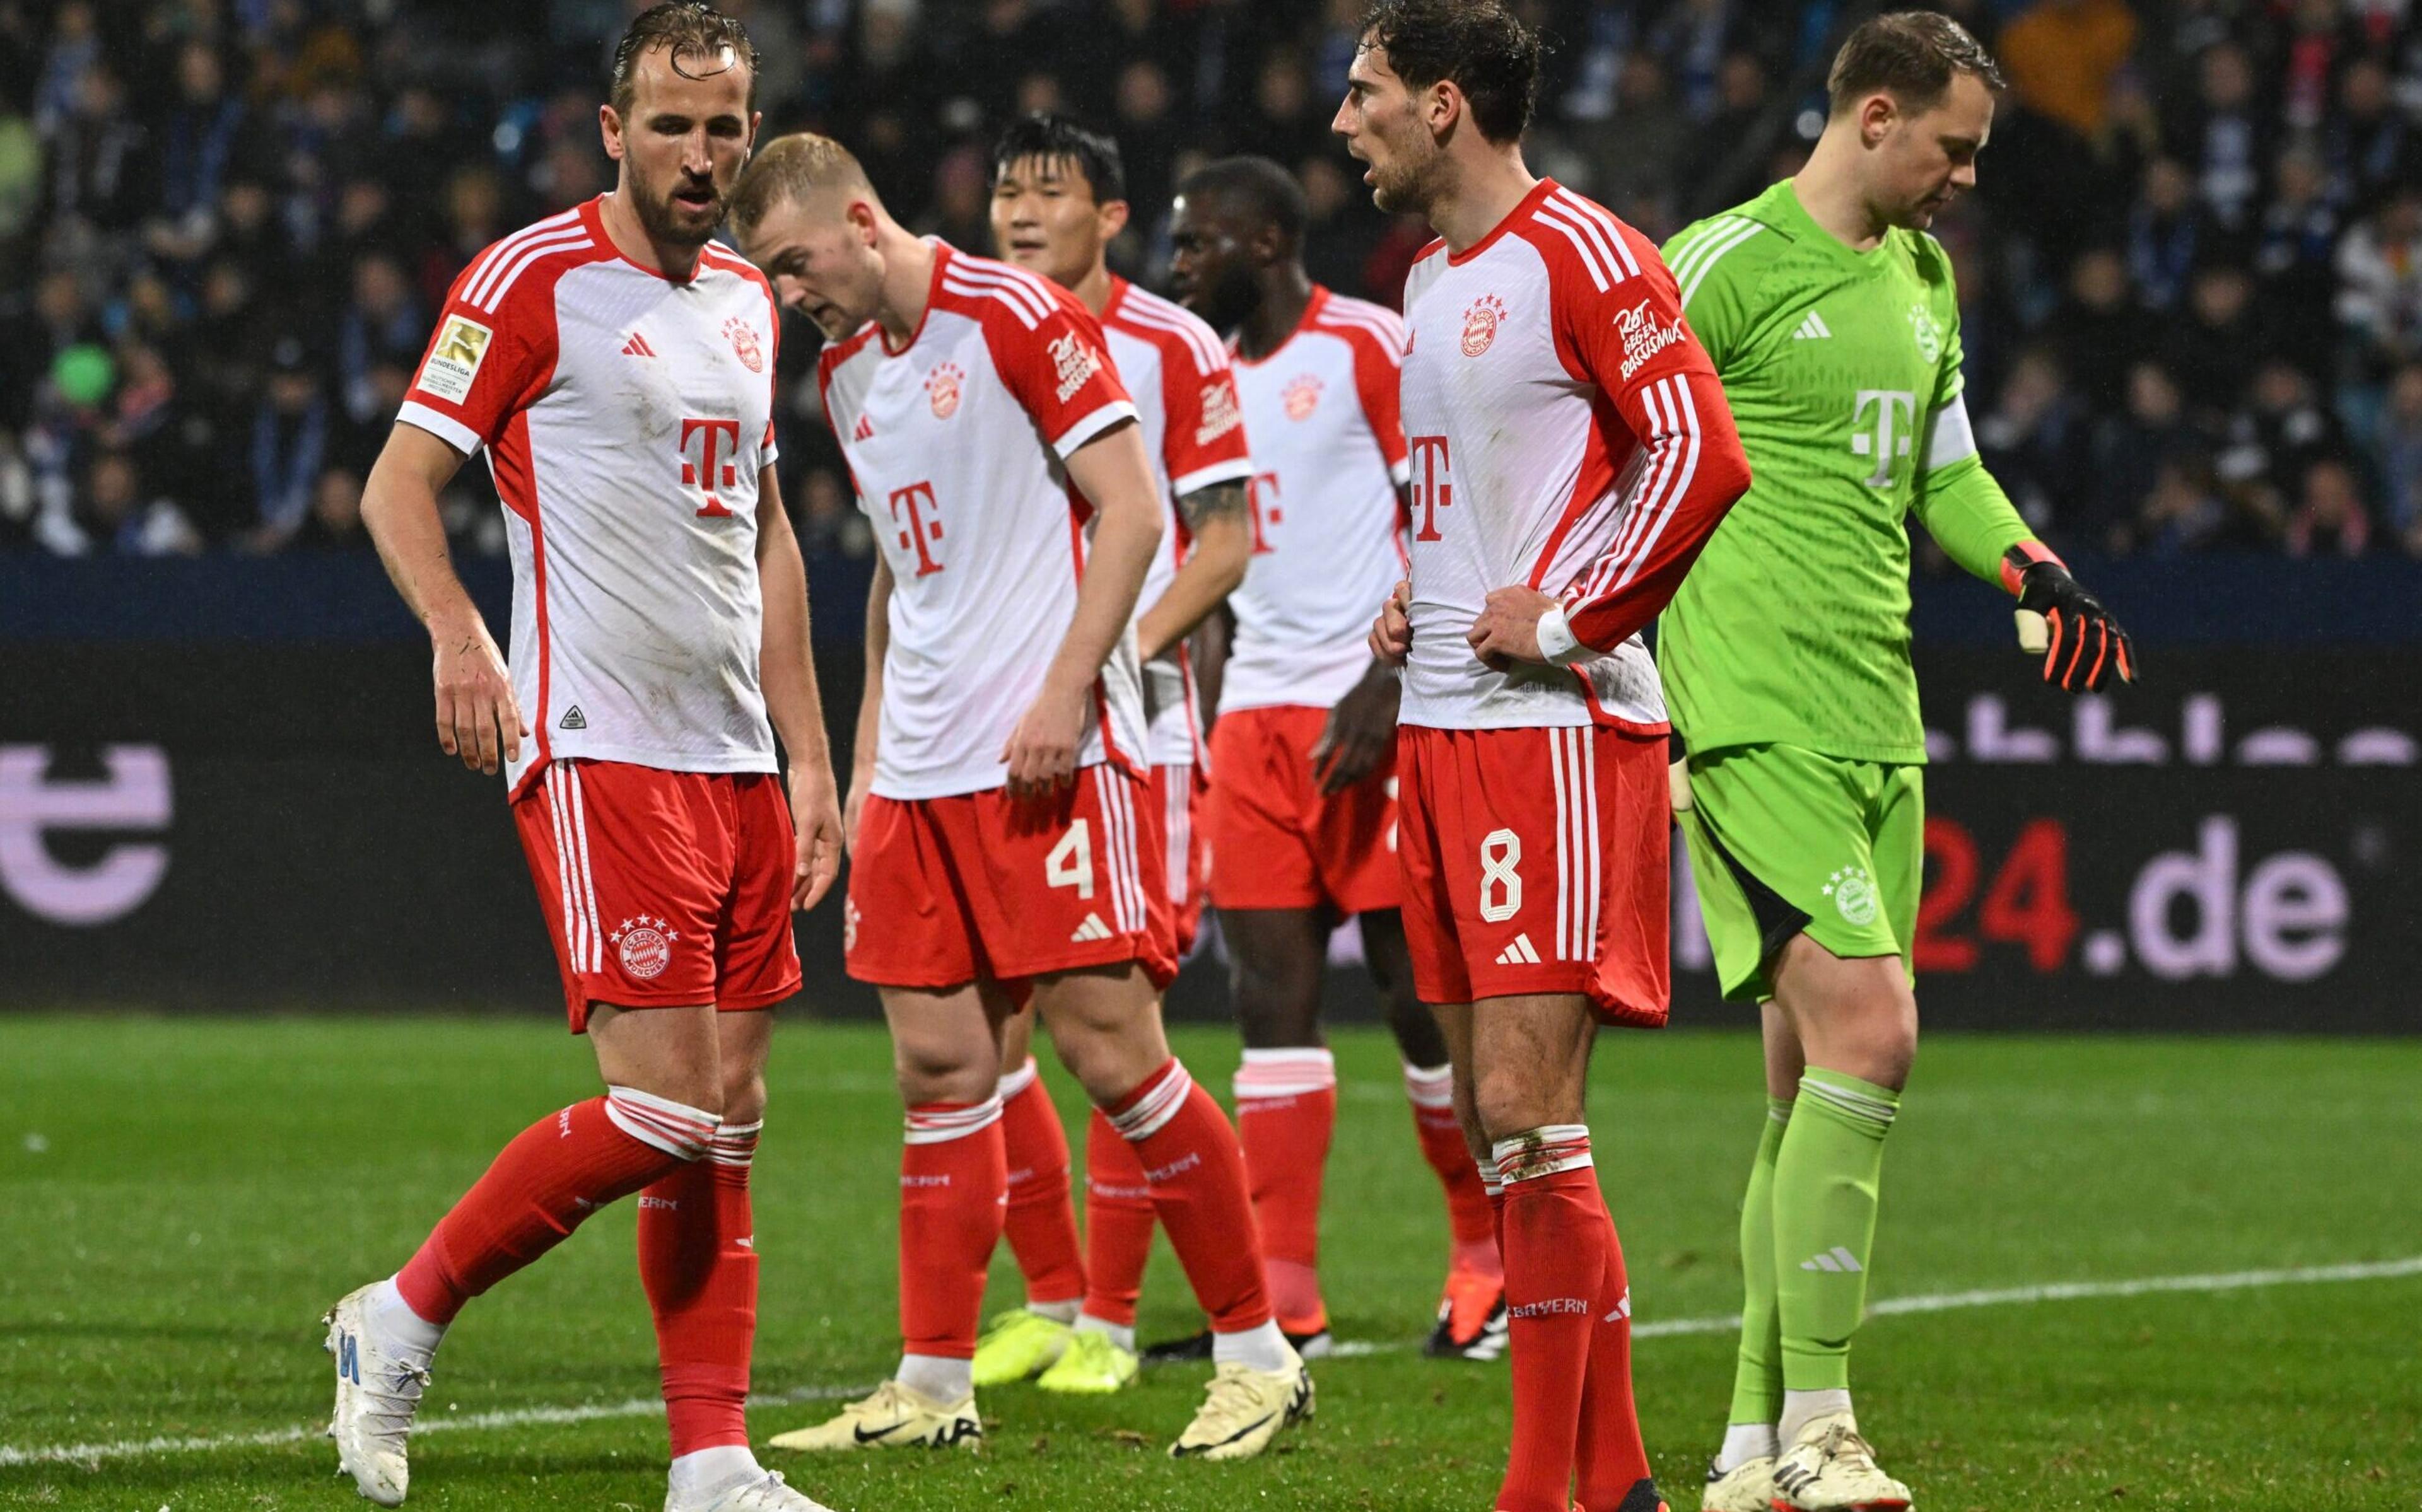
x=1303, y=802
x=1059, y=199
x=617, y=368
x=1571, y=453
x=999, y=834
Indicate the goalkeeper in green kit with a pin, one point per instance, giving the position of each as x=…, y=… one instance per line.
x=1832, y=319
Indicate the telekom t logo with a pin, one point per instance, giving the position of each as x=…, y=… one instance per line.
x=1261, y=498
x=717, y=441
x=920, y=521
x=1886, y=437
x=1433, y=489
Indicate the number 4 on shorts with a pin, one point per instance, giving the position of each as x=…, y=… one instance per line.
x=1071, y=862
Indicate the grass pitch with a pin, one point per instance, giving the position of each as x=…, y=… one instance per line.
x=181, y=1199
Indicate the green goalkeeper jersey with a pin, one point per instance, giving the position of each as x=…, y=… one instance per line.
x=1843, y=371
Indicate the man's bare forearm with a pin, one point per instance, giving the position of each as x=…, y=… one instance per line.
x=878, y=645
x=1112, y=473
x=786, y=661
x=400, y=511
x=1223, y=548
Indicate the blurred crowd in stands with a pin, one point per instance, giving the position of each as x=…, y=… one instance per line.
x=2191, y=281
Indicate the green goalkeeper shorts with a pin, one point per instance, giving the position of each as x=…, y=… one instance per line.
x=1784, y=841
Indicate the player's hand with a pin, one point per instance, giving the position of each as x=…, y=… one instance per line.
x=2082, y=645
x=478, y=717
x=1360, y=732
x=815, y=814
x=1042, y=749
x=1508, y=630
x=1392, y=633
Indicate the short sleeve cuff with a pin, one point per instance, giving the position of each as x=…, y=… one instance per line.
x=1234, y=470
x=443, y=427
x=1092, y=425
x=1557, y=641
x=1400, y=471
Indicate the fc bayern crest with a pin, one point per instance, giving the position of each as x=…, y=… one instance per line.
x=744, y=343
x=1480, y=323
x=646, y=945
x=1302, y=396
x=942, y=388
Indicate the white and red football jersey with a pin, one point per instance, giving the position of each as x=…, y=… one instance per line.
x=627, y=419
x=956, y=443
x=1565, y=430
x=1176, y=369
x=1328, y=451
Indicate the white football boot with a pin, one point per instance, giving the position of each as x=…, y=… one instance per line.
x=378, y=1391
x=766, y=1493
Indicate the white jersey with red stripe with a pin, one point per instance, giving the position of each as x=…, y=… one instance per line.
x=627, y=419
x=1329, y=454
x=1566, y=432
x=955, y=441
x=1175, y=368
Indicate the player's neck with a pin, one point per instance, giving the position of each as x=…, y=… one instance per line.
x=621, y=219
x=1488, y=185
x=1286, y=293
x=1093, y=289
x=907, y=283
x=1827, y=189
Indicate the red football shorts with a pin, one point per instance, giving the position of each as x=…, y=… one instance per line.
x=1277, y=841
x=663, y=888
x=946, y=890
x=1177, y=790
x=1534, y=861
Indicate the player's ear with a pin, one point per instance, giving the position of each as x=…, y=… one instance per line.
x=1444, y=105
x=1114, y=218
x=609, y=128
x=1877, y=116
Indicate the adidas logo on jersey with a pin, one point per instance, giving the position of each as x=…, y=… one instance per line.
x=1092, y=929
x=637, y=347
x=1519, y=953
x=1812, y=329
x=865, y=428
x=1836, y=1258
x=572, y=720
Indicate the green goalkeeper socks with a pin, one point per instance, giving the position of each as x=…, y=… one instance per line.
x=1826, y=1177
x=1758, y=1376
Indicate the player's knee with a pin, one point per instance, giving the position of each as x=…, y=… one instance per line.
x=1506, y=1103
x=1277, y=1007
x=935, y=1074
x=1416, y=1028
x=744, y=1097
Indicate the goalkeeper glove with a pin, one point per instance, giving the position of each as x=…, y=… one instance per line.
x=2082, y=644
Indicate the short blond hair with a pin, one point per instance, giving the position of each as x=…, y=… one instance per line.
x=791, y=168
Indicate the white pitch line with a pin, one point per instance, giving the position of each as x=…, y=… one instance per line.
x=2059, y=1291
x=91, y=1454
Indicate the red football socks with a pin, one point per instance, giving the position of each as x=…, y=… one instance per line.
x=1610, y=1461
x=698, y=1262
x=1556, y=1240
x=1041, y=1221
x=1470, y=1213
x=1118, y=1224
x=552, y=1176
x=1195, y=1172
x=1286, y=1111
x=953, y=1177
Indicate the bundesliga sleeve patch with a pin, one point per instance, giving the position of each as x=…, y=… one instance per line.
x=455, y=360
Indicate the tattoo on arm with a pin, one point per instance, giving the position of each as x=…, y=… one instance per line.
x=1211, y=502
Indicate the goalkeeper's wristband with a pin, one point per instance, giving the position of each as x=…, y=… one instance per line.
x=2081, y=642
